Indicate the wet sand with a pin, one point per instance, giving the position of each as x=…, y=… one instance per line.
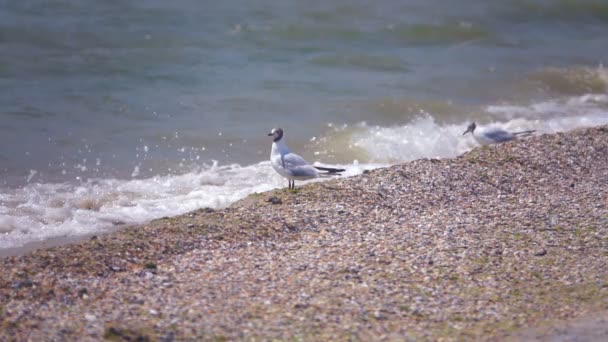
x=48, y=243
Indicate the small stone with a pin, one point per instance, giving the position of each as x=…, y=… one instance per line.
x=169, y=337
x=22, y=284
x=90, y=317
x=82, y=293
x=116, y=268
x=147, y=274
x=379, y=316
x=137, y=299
x=150, y=266
x=274, y=200
x=540, y=252
x=354, y=269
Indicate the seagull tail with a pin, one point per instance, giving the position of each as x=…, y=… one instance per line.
x=524, y=133
x=329, y=171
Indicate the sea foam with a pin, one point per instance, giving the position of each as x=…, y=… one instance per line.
x=40, y=211
x=424, y=137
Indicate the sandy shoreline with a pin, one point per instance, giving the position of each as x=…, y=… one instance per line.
x=481, y=246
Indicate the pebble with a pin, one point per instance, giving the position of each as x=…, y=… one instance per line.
x=274, y=200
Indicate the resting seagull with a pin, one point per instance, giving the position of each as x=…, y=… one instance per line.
x=292, y=166
x=494, y=135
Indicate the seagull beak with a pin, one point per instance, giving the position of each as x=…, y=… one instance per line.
x=269, y=134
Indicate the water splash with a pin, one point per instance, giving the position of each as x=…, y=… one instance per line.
x=41, y=211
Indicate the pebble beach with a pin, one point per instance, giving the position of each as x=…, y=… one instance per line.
x=488, y=245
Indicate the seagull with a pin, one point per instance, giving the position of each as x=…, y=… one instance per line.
x=292, y=166
x=494, y=135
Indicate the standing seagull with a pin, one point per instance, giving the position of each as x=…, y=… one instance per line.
x=292, y=166
x=494, y=135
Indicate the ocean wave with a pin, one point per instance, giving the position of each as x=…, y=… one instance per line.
x=41, y=211
x=592, y=109
x=418, y=33
x=563, y=10
x=424, y=136
x=421, y=137
x=571, y=81
x=361, y=61
x=292, y=33
x=456, y=32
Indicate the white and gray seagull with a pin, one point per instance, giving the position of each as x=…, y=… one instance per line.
x=494, y=135
x=292, y=166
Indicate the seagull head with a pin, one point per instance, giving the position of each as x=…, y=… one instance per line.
x=276, y=133
x=470, y=129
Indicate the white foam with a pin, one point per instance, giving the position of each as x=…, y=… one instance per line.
x=419, y=139
x=590, y=105
x=41, y=211
x=424, y=137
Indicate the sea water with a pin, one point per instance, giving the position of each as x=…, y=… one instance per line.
x=114, y=113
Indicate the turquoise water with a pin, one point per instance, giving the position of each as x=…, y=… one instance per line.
x=115, y=112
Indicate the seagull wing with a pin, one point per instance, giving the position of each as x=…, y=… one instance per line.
x=498, y=135
x=297, y=166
